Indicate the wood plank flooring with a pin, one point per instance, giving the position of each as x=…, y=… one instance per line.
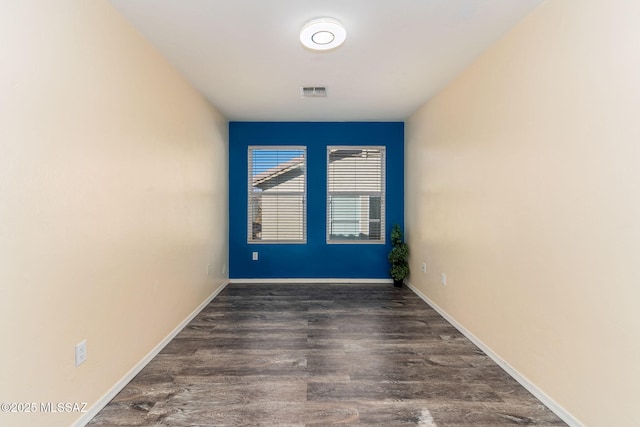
x=319, y=355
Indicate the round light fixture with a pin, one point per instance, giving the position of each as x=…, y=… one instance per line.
x=322, y=34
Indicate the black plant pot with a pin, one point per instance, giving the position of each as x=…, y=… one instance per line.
x=397, y=283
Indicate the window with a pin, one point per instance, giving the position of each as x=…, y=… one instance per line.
x=355, y=194
x=277, y=195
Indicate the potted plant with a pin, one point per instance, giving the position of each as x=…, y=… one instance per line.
x=398, y=256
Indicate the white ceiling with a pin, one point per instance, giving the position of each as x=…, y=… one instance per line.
x=246, y=58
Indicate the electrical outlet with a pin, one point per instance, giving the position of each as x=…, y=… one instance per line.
x=424, y=268
x=208, y=269
x=81, y=352
x=444, y=279
x=224, y=268
x=254, y=256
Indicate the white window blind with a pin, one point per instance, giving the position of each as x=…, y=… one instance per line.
x=355, y=194
x=277, y=194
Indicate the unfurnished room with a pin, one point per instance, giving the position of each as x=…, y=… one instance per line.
x=302, y=213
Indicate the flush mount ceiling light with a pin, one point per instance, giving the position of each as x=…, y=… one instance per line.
x=322, y=34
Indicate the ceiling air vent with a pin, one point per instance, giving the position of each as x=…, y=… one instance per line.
x=313, y=92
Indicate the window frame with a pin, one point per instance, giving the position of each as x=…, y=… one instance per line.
x=250, y=193
x=381, y=194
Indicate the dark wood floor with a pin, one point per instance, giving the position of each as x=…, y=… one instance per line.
x=316, y=355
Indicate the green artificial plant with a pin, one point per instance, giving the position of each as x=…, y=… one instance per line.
x=398, y=256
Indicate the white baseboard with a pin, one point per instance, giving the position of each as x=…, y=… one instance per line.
x=104, y=400
x=539, y=394
x=313, y=281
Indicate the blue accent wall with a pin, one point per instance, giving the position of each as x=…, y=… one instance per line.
x=315, y=258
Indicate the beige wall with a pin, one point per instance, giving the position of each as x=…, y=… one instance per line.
x=113, y=200
x=523, y=186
